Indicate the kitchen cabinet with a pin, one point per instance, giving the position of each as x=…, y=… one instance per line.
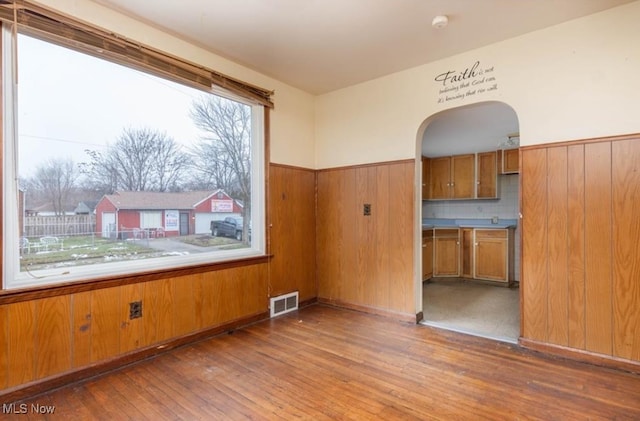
x=427, y=254
x=452, y=177
x=487, y=177
x=426, y=165
x=446, y=254
x=493, y=255
x=467, y=252
x=509, y=161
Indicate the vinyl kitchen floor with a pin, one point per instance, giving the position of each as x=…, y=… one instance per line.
x=471, y=307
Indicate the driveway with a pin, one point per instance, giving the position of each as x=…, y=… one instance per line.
x=175, y=245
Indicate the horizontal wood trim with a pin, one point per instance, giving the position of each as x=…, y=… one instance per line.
x=291, y=167
x=373, y=164
x=580, y=142
x=19, y=295
x=27, y=390
x=404, y=317
x=574, y=354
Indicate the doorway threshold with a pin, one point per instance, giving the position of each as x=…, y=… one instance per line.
x=469, y=332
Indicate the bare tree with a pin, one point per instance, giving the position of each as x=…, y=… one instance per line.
x=140, y=160
x=54, y=181
x=223, y=155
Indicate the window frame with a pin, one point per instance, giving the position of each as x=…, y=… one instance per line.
x=11, y=267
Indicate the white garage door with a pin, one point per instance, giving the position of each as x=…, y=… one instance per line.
x=203, y=222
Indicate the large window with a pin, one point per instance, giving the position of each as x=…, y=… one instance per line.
x=111, y=170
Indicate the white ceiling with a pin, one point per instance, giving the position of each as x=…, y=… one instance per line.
x=481, y=127
x=323, y=45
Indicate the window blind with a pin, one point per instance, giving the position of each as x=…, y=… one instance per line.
x=41, y=22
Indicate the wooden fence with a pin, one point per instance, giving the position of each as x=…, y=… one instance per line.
x=38, y=226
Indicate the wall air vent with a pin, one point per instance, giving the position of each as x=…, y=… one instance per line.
x=284, y=304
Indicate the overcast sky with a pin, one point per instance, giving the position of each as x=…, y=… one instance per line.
x=82, y=102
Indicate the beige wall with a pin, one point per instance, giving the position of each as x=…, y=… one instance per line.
x=572, y=81
x=292, y=121
x=575, y=80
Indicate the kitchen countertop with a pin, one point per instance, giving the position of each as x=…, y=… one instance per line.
x=468, y=223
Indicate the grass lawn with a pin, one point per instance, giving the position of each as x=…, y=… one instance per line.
x=76, y=251
x=205, y=240
x=87, y=250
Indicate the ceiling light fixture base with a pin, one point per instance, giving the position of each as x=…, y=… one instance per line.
x=440, y=21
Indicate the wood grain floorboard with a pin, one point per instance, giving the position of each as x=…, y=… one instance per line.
x=323, y=363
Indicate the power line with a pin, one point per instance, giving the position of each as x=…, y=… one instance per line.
x=55, y=139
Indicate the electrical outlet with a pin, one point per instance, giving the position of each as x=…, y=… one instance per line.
x=494, y=220
x=367, y=209
x=135, y=310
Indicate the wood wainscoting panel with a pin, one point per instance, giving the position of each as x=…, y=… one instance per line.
x=165, y=303
x=366, y=261
x=4, y=349
x=366, y=249
x=575, y=237
x=151, y=319
x=382, y=237
x=533, y=285
x=292, y=229
x=586, y=250
x=204, y=301
x=626, y=248
x=81, y=329
x=329, y=233
x=21, y=318
x=105, y=323
x=184, y=317
x=131, y=336
x=557, y=217
x=598, y=247
x=63, y=337
x=349, y=212
x=401, y=237
x=53, y=337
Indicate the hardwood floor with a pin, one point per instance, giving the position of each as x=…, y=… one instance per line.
x=326, y=363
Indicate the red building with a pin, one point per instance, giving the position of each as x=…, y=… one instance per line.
x=162, y=214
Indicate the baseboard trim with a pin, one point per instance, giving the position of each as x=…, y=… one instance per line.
x=31, y=389
x=404, y=317
x=581, y=355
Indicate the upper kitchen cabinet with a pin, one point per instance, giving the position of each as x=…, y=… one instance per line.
x=455, y=177
x=452, y=177
x=487, y=177
x=426, y=176
x=509, y=161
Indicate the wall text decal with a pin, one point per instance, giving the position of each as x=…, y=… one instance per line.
x=457, y=85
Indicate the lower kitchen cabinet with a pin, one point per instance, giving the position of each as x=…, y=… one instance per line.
x=493, y=255
x=446, y=256
x=427, y=254
x=474, y=253
x=467, y=252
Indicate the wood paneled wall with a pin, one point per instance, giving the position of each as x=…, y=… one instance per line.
x=367, y=261
x=50, y=336
x=580, y=254
x=292, y=228
x=58, y=334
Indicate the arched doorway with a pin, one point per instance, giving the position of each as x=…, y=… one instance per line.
x=467, y=230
